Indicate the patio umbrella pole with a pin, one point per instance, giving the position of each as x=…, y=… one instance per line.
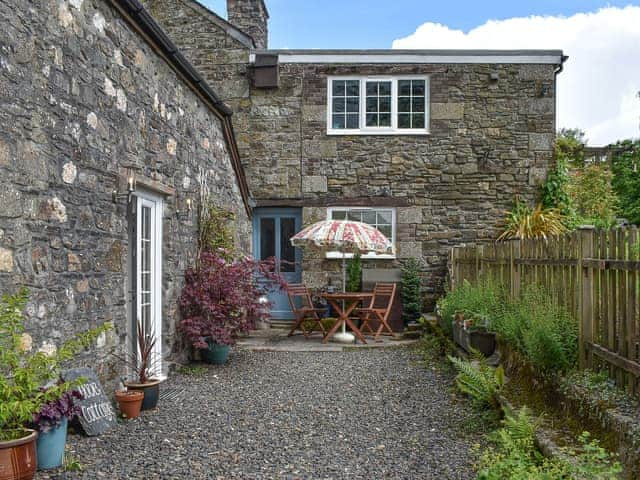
x=344, y=336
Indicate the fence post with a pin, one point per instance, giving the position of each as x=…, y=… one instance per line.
x=586, y=276
x=514, y=253
x=479, y=265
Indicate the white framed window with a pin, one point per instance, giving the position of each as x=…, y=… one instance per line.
x=148, y=271
x=378, y=105
x=382, y=218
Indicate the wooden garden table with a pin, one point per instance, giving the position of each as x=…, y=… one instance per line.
x=344, y=304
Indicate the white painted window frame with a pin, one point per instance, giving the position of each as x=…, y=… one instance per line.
x=367, y=256
x=393, y=130
x=156, y=203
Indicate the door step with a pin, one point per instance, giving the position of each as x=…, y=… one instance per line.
x=281, y=324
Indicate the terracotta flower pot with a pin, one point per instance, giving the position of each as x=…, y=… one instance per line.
x=151, y=391
x=130, y=402
x=18, y=457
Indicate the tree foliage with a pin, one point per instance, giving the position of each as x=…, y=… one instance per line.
x=593, y=196
x=626, y=178
x=570, y=145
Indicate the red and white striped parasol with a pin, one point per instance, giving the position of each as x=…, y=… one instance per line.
x=348, y=237
x=343, y=235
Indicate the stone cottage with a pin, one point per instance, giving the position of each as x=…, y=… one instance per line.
x=109, y=142
x=431, y=147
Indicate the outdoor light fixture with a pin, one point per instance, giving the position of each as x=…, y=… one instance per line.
x=186, y=209
x=131, y=187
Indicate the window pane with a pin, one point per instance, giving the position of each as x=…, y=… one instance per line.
x=338, y=121
x=338, y=105
x=372, y=120
x=418, y=104
x=353, y=120
x=267, y=238
x=418, y=120
x=384, y=88
x=354, y=215
x=372, y=104
x=418, y=87
x=404, y=87
x=338, y=88
x=385, y=104
x=353, y=88
x=385, y=230
x=404, y=120
x=287, y=251
x=384, y=120
x=404, y=104
x=372, y=88
x=338, y=215
x=369, y=217
x=353, y=104
x=384, y=216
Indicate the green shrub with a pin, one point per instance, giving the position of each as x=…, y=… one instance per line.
x=410, y=291
x=478, y=380
x=540, y=328
x=354, y=273
x=483, y=299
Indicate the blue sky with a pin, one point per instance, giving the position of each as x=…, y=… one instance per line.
x=376, y=23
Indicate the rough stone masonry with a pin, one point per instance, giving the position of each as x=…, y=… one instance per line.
x=491, y=137
x=83, y=98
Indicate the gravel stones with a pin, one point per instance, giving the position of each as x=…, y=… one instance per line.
x=357, y=414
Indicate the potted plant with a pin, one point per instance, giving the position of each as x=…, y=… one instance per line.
x=142, y=364
x=51, y=423
x=23, y=373
x=221, y=299
x=130, y=402
x=471, y=332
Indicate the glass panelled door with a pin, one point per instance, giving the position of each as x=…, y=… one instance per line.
x=148, y=272
x=273, y=227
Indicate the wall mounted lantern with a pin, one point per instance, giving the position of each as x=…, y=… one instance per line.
x=131, y=187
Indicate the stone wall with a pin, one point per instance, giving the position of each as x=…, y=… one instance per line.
x=489, y=141
x=83, y=98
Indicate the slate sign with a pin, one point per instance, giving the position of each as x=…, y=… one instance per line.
x=97, y=412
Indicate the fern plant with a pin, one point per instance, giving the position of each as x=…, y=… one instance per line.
x=478, y=380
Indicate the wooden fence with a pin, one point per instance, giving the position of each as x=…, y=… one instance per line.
x=594, y=273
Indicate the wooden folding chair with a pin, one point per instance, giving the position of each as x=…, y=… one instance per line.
x=379, y=309
x=306, y=310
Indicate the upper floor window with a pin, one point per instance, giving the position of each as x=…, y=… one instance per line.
x=378, y=105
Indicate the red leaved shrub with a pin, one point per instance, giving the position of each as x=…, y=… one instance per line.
x=220, y=298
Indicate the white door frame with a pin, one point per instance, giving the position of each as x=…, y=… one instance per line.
x=154, y=203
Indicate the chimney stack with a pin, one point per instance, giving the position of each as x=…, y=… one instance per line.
x=250, y=16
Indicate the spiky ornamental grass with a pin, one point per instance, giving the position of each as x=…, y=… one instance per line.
x=523, y=222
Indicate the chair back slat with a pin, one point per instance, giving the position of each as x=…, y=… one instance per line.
x=383, y=294
x=298, y=290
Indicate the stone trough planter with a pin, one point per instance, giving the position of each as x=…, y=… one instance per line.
x=483, y=341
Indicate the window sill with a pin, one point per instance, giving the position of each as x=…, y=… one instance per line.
x=421, y=133
x=368, y=256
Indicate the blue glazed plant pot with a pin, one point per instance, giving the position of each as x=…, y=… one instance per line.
x=50, y=446
x=216, y=354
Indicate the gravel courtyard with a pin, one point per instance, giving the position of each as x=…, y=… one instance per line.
x=366, y=414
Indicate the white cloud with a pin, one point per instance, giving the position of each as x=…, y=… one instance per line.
x=597, y=91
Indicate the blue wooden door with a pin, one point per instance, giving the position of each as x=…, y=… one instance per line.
x=272, y=229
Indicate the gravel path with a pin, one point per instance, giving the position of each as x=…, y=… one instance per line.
x=357, y=414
